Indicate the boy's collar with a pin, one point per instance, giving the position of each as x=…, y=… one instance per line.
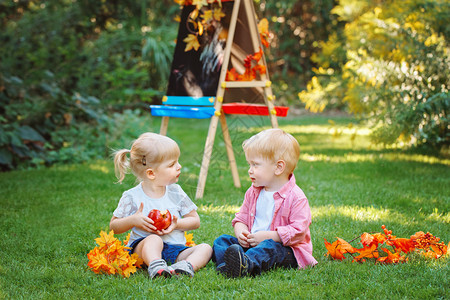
x=284, y=190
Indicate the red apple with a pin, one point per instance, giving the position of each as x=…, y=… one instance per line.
x=161, y=219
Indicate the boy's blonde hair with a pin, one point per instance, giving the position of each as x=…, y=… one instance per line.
x=273, y=145
x=148, y=151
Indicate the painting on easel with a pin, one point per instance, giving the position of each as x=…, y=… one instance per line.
x=199, y=52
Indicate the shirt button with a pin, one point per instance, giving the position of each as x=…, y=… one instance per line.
x=251, y=214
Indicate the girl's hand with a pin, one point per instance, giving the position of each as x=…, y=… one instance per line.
x=171, y=227
x=143, y=222
x=243, y=238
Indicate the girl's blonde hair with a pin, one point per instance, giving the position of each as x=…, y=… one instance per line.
x=273, y=145
x=148, y=151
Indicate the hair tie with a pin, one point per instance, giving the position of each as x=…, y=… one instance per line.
x=144, y=161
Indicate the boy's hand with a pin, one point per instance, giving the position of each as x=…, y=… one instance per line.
x=254, y=239
x=143, y=222
x=243, y=238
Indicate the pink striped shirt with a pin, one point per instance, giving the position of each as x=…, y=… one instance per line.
x=291, y=219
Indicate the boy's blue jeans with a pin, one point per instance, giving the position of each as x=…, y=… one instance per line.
x=267, y=255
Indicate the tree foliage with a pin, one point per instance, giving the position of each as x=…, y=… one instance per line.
x=64, y=63
x=390, y=64
x=297, y=26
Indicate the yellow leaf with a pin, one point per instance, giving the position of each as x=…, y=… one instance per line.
x=191, y=43
x=218, y=14
x=207, y=15
x=263, y=26
x=105, y=240
x=199, y=3
x=189, y=239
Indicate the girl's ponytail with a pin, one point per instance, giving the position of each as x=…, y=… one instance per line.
x=121, y=164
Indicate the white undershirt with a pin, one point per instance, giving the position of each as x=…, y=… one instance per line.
x=264, y=211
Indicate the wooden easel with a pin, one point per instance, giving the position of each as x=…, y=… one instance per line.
x=243, y=19
x=246, y=11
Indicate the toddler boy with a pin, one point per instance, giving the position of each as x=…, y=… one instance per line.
x=272, y=225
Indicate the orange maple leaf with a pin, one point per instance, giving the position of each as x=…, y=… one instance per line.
x=338, y=248
x=97, y=260
x=391, y=258
x=233, y=75
x=137, y=260
x=248, y=75
x=367, y=239
x=333, y=250
x=105, y=240
x=379, y=238
x=260, y=68
x=128, y=269
x=345, y=246
x=367, y=252
x=405, y=245
x=417, y=235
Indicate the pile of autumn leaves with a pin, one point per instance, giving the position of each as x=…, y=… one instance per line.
x=111, y=255
x=386, y=248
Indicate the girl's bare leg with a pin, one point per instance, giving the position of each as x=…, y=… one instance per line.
x=198, y=255
x=150, y=248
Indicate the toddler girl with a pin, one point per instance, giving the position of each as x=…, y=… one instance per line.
x=153, y=159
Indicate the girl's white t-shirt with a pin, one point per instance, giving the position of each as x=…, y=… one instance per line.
x=175, y=200
x=265, y=206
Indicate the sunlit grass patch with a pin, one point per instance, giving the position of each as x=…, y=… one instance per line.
x=357, y=213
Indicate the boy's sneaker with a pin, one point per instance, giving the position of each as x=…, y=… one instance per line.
x=183, y=267
x=237, y=264
x=158, y=268
x=221, y=269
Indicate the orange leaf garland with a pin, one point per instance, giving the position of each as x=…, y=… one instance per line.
x=250, y=72
x=429, y=245
x=374, y=247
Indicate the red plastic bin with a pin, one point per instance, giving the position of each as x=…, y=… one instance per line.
x=252, y=109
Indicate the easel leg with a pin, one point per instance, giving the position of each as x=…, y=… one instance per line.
x=164, y=125
x=230, y=153
x=206, y=157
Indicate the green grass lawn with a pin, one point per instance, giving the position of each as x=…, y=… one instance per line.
x=49, y=218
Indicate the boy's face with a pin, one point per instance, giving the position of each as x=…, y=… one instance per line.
x=261, y=171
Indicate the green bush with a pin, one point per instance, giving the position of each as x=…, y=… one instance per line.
x=66, y=65
x=389, y=65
